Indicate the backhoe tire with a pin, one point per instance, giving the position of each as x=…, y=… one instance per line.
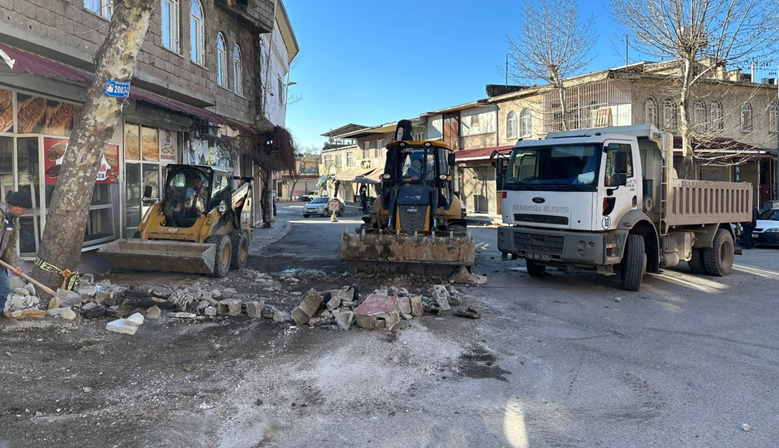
x=222, y=255
x=240, y=249
x=696, y=262
x=535, y=269
x=457, y=229
x=633, y=263
x=718, y=260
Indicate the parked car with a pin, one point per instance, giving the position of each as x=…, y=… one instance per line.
x=321, y=206
x=766, y=231
x=309, y=196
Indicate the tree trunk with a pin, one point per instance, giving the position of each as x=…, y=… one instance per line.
x=684, y=119
x=563, y=105
x=63, y=236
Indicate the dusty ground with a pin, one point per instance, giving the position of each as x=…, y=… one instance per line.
x=231, y=382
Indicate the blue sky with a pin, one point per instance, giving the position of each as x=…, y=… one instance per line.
x=374, y=61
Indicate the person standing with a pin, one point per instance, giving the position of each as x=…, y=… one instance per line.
x=364, y=198
x=749, y=242
x=17, y=204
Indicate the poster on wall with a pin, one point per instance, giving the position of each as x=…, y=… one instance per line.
x=6, y=111
x=54, y=154
x=168, y=146
x=203, y=152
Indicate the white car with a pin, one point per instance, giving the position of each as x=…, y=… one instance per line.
x=321, y=206
x=766, y=231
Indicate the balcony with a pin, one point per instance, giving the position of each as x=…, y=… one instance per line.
x=255, y=15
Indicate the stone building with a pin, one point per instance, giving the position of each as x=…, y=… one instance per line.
x=207, y=69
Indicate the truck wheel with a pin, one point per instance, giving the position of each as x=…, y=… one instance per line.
x=696, y=262
x=534, y=269
x=718, y=260
x=240, y=248
x=633, y=263
x=222, y=256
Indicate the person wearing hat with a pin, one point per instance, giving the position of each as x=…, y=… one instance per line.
x=16, y=205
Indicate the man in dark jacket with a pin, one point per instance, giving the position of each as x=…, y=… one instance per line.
x=17, y=204
x=748, y=241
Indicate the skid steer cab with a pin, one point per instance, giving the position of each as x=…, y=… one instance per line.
x=202, y=224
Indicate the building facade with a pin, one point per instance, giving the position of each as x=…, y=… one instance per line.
x=194, y=82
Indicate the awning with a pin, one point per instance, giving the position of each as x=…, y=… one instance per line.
x=22, y=61
x=480, y=154
x=350, y=175
x=321, y=181
x=370, y=178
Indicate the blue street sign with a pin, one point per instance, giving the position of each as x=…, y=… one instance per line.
x=118, y=89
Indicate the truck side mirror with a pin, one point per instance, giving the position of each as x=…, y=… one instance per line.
x=451, y=159
x=147, y=191
x=499, y=171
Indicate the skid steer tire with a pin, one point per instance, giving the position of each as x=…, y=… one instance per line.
x=222, y=256
x=240, y=249
x=718, y=260
x=457, y=229
x=534, y=269
x=696, y=262
x=633, y=264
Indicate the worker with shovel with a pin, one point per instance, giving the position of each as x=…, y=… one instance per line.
x=16, y=205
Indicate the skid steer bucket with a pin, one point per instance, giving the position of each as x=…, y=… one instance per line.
x=162, y=256
x=382, y=253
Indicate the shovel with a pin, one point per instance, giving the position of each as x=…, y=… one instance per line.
x=63, y=296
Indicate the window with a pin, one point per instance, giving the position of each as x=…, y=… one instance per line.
x=650, y=112
x=170, y=25
x=349, y=159
x=746, y=118
x=237, y=71
x=338, y=161
x=524, y=123
x=717, y=121
x=773, y=124
x=197, y=48
x=669, y=115
x=699, y=115
x=418, y=137
x=221, y=61
x=103, y=8
x=381, y=144
x=511, y=125
x=366, y=150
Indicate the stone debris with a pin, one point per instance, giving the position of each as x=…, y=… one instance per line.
x=153, y=312
x=308, y=307
x=229, y=307
x=462, y=276
x=377, y=311
x=181, y=315
x=135, y=319
x=121, y=326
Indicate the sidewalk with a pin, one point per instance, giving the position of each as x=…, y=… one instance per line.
x=264, y=237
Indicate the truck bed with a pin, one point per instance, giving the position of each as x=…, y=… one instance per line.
x=692, y=202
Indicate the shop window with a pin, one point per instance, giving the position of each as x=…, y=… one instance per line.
x=132, y=142
x=31, y=114
x=6, y=111
x=150, y=144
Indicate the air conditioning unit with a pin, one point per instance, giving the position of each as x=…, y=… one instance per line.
x=206, y=131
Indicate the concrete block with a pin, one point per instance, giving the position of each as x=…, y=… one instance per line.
x=375, y=306
x=121, y=326
x=210, y=311
x=364, y=321
x=22, y=291
x=333, y=303
x=230, y=307
x=299, y=316
x=254, y=309
x=182, y=315
x=310, y=303
x=67, y=314
x=281, y=316
x=391, y=320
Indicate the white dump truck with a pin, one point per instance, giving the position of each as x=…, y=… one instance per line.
x=607, y=199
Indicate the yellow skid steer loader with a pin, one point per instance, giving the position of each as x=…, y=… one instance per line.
x=201, y=225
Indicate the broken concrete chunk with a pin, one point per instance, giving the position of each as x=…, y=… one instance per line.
x=67, y=314
x=153, y=312
x=391, y=320
x=462, y=276
x=417, y=309
x=182, y=315
x=22, y=291
x=404, y=305
x=281, y=316
x=344, y=319
x=311, y=301
x=333, y=303
x=299, y=316
x=135, y=319
x=210, y=311
x=375, y=305
x=121, y=326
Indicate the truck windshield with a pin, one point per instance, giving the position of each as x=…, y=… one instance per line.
x=562, y=166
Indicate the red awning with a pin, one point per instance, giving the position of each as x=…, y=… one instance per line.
x=480, y=154
x=37, y=65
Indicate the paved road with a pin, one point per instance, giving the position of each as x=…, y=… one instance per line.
x=571, y=360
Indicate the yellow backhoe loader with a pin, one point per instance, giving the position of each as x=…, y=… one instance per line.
x=201, y=225
x=416, y=224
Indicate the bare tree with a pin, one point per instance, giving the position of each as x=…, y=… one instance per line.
x=689, y=31
x=63, y=235
x=554, y=43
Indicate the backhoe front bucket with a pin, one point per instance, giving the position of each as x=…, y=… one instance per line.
x=375, y=253
x=162, y=256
